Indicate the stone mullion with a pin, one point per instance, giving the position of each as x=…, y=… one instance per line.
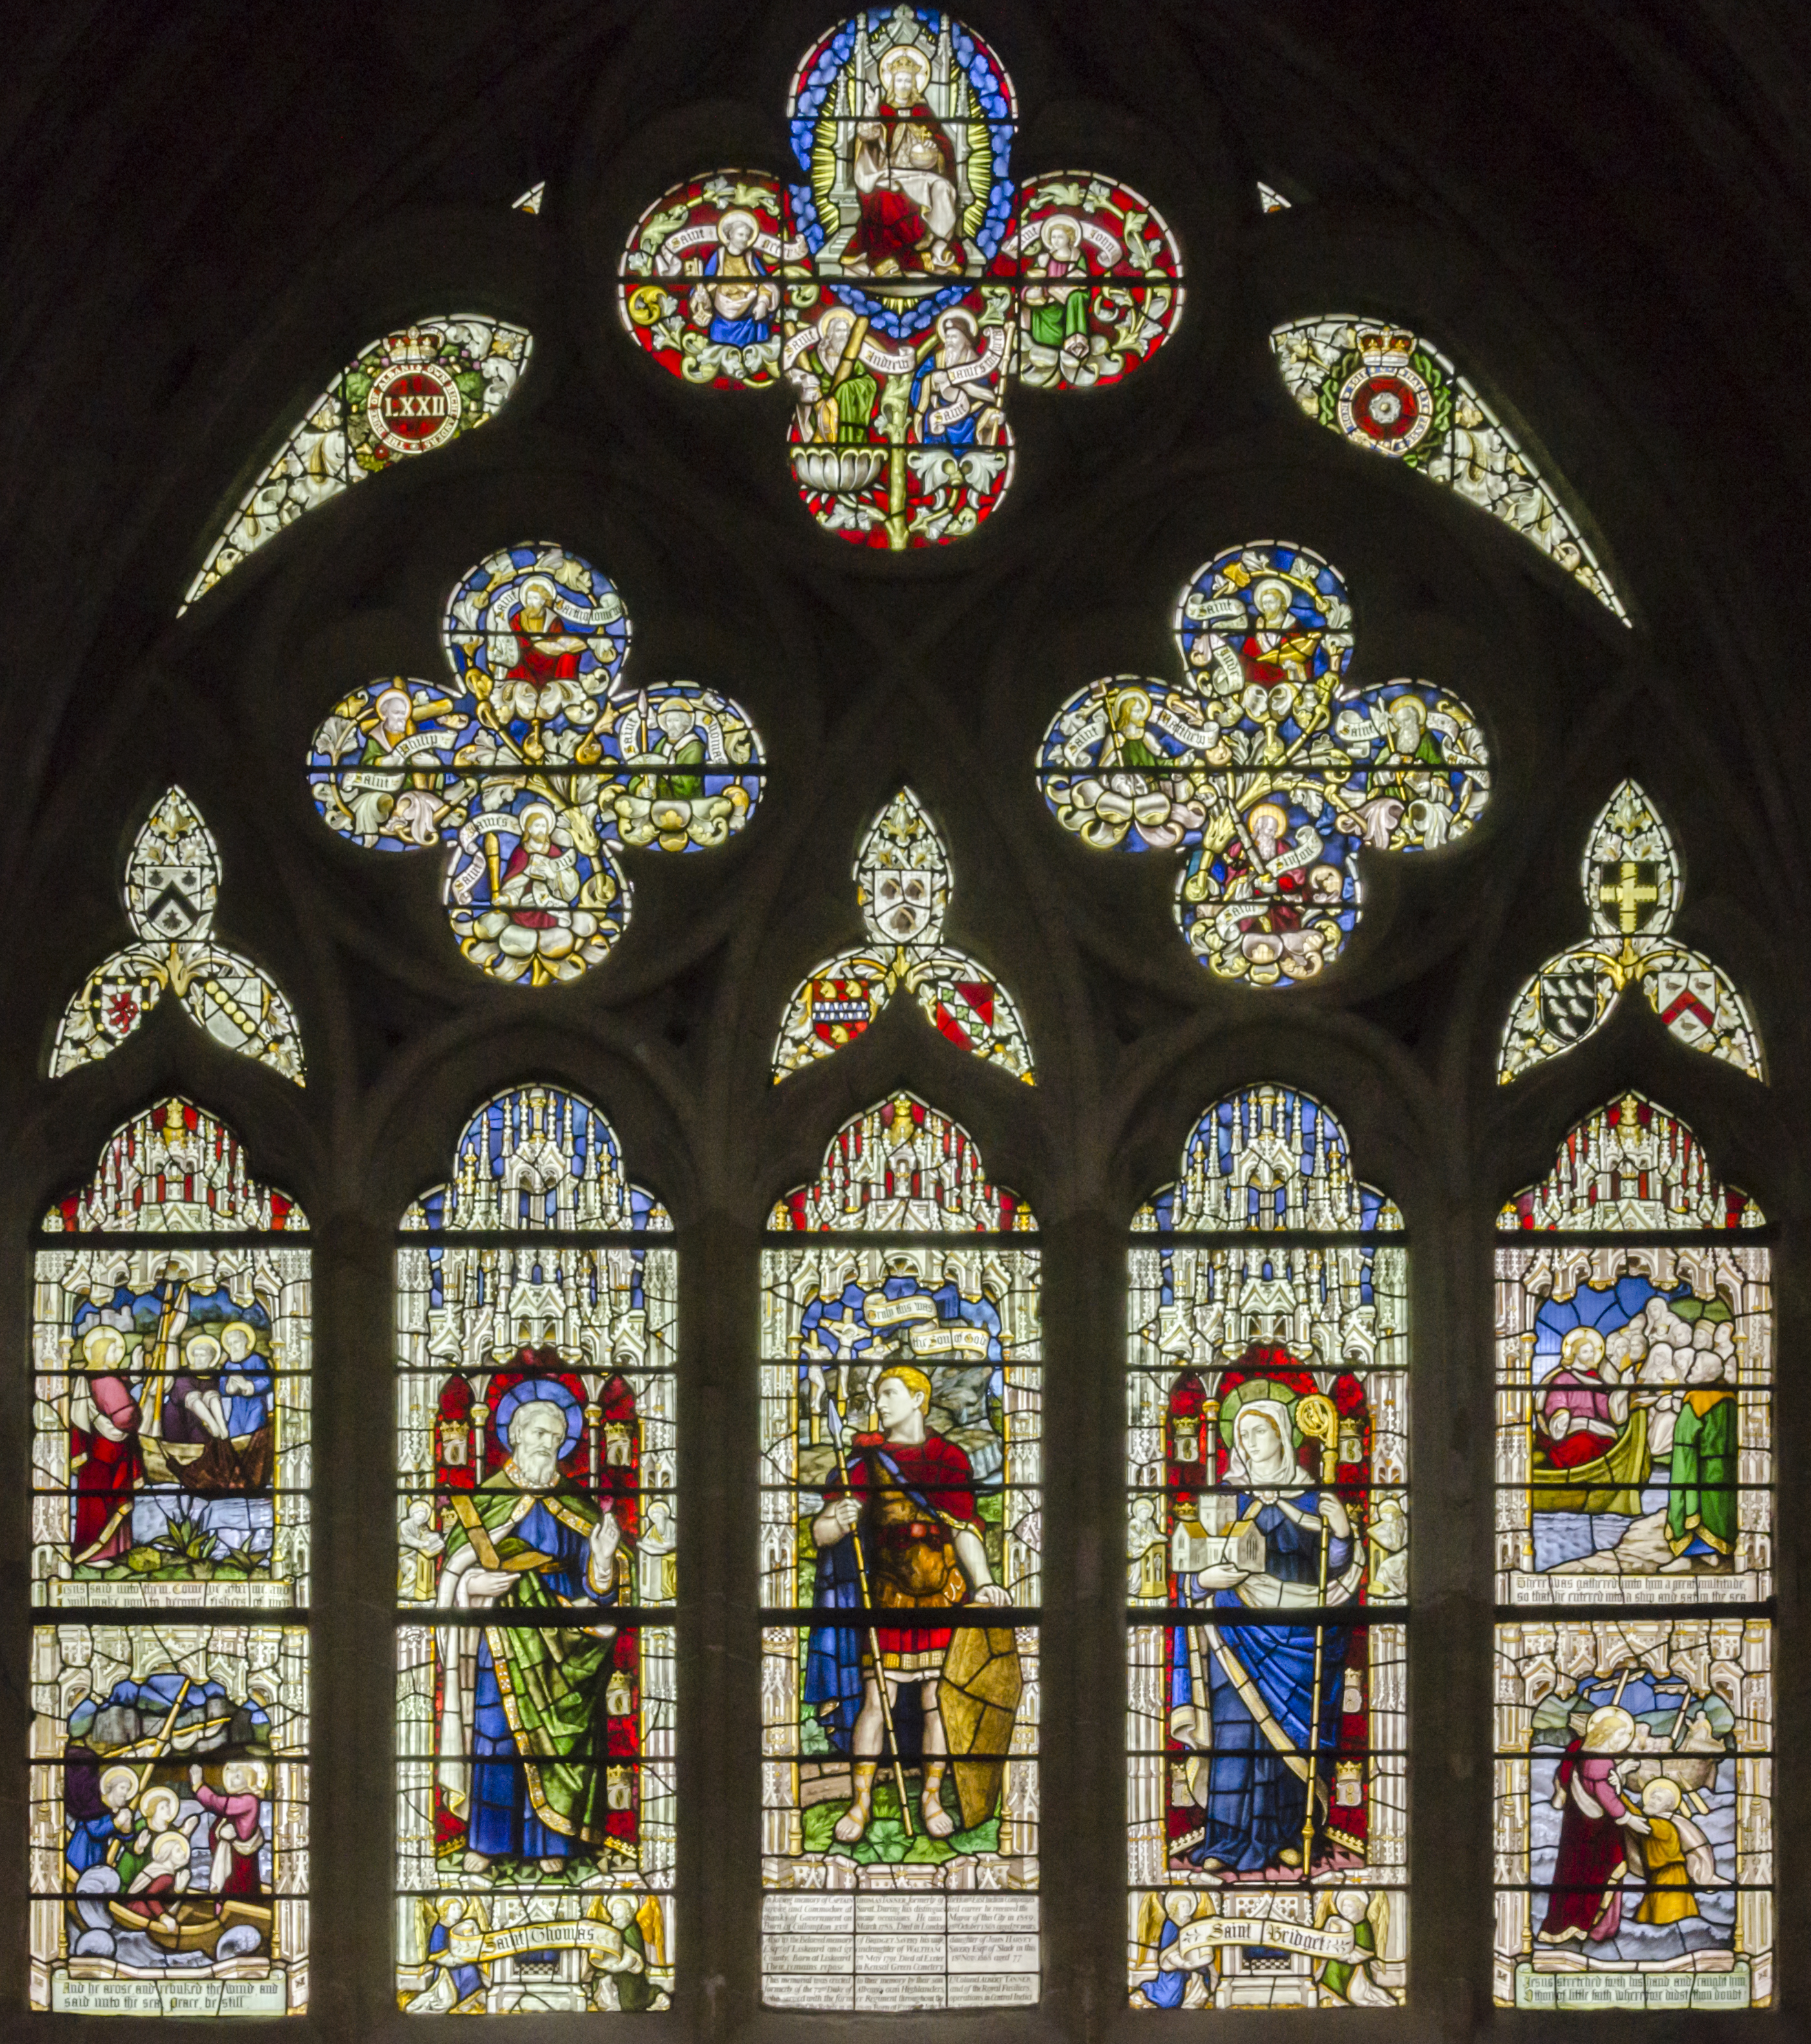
x=1082, y=1734
x=717, y=1989
x=352, y=1629
x=1451, y=1469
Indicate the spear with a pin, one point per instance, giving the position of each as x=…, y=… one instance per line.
x=833, y=1416
x=1318, y=1419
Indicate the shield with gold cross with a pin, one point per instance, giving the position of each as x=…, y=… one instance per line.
x=1629, y=890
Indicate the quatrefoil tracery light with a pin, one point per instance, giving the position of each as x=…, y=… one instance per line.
x=1262, y=766
x=535, y=765
x=904, y=282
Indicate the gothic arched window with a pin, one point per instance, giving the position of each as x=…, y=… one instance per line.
x=535, y=1520
x=1142, y=655
x=171, y=1466
x=1635, y=1699
x=1267, y=1465
x=902, y=1532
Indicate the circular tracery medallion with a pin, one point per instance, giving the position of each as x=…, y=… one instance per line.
x=1393, y=409
x=414, y=406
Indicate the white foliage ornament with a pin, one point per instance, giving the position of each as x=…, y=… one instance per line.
x=172, y=883
x=902, y=876
x=1632, y=888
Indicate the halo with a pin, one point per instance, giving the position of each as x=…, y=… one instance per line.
x=1262, y=1390
x=905, y=53
x=540, y=1391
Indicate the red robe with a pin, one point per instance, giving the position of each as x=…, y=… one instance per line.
x=535, y=667
x=893, y=1522
x=890, y=224
x=1586, y=1900
x=104, y=1474
x=530, y=918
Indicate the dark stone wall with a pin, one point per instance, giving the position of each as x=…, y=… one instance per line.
x=1602, y=213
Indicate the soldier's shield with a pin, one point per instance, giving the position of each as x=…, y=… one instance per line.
x=977, y=1694
x=1687, y=1003
x=841, y=1009
x=1572, y=999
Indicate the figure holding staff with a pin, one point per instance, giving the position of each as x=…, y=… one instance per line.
x=904, y=1500
x=1261, y=1701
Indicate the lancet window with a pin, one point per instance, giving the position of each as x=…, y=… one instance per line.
x=170, y=1571
x=536, y=1308
x=900, y=1556
x=1634, y=1655
x=1267, y=1564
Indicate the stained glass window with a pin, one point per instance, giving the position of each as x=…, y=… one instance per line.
x=412, y=391
x=1267, y=1564
x=1633, y=884
x=169, y=1472
x=531, y=199
x=535, y=765
x=900, y=1553
x=1393, y=392
x=904, y=281
x=1270, y=198
x=1263, y=767
x=535, y=1574
x=1634, y=1688
x=172, y=885
x=902, y=885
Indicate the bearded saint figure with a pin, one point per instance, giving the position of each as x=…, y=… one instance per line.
x=523, y=1709
x=544, y=679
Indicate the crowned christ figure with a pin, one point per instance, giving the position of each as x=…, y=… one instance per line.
x=905, y=176
x=900, y=1531
x=523, y=1728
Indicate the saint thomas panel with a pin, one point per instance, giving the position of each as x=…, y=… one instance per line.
x=1634, y=1529
x=535, y=1465
x=169, y=1741
x=900, y=1550
x=1267, y=1465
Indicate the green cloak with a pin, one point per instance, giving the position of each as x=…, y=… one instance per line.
x=1702, y=1500
x=552, y=1677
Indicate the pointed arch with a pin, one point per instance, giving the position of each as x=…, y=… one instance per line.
x=535, y=1325
x=171, y=1347
x=1267, y=1473
x=900, y=1564
x=1634, y=1474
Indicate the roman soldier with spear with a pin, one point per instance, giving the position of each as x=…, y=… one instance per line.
x=904, y=1502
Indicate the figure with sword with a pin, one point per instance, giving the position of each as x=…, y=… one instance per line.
x=898, y=1533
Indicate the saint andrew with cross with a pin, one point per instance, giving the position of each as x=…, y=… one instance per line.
x=903, y=285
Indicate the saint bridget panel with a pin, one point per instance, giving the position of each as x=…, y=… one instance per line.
x=169, y=1741
x=900, y=1550
x=1268, y=1461
x=534, y=1414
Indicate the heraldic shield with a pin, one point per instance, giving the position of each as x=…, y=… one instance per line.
x=977, y=1695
